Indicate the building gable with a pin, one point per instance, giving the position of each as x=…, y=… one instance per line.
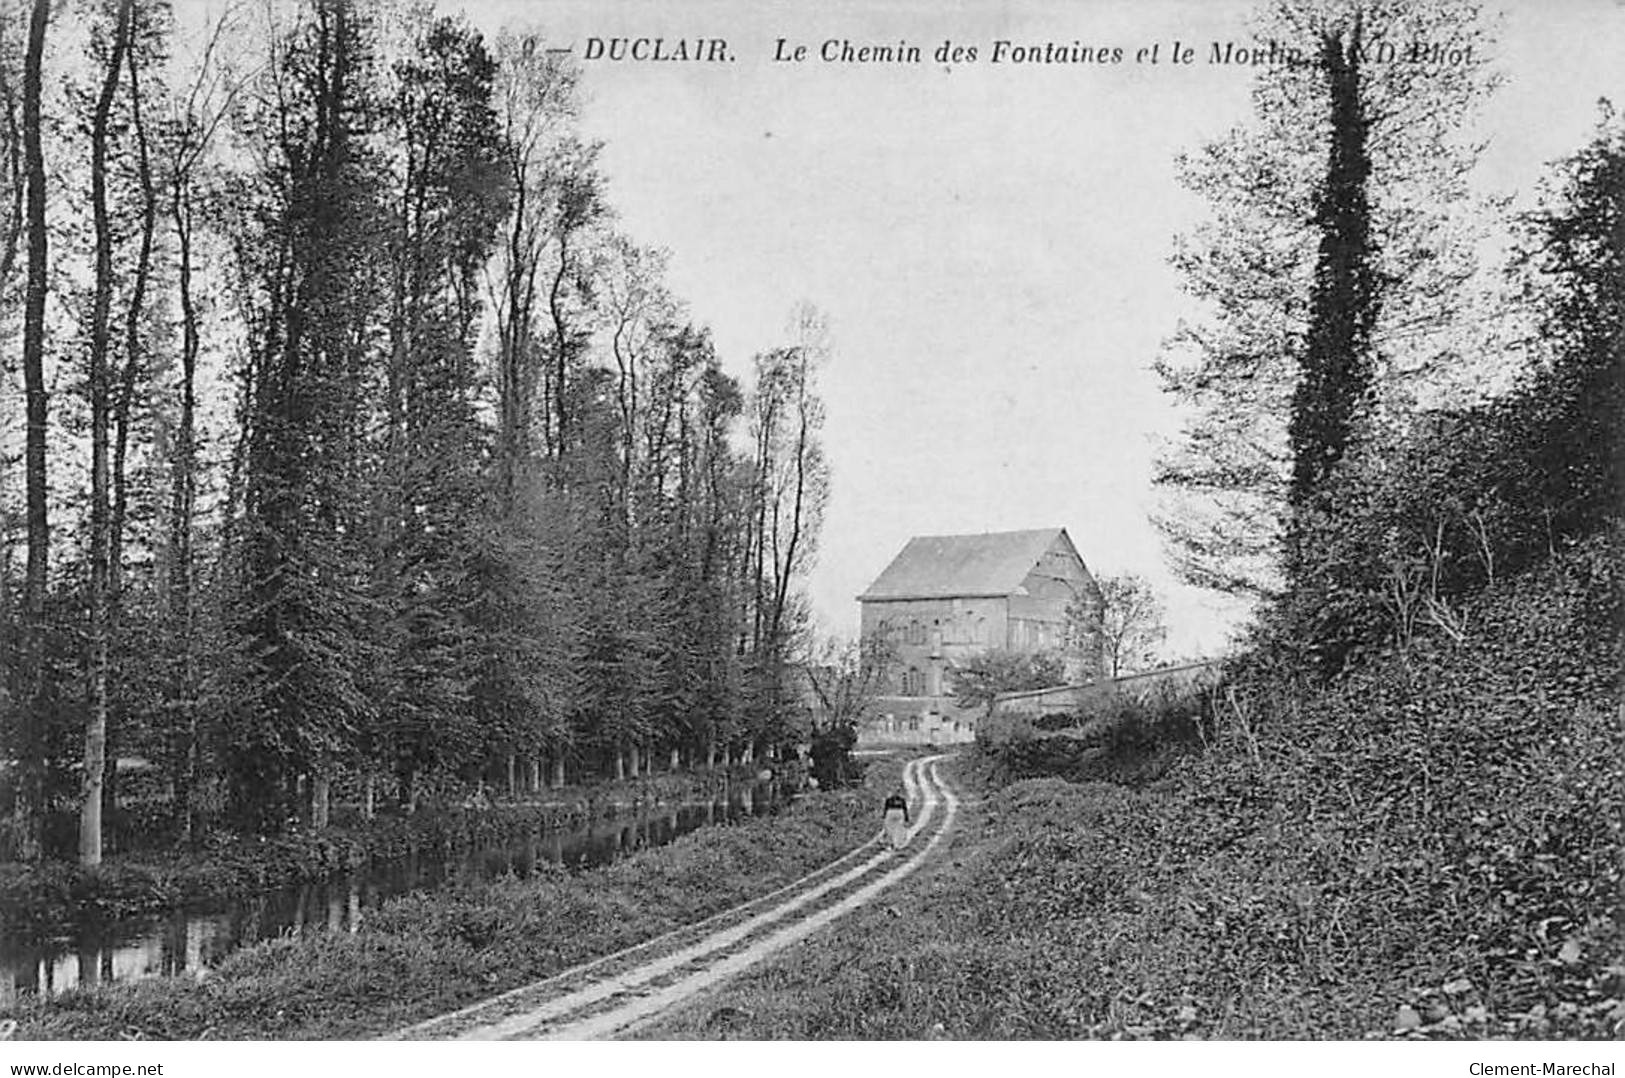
x=1058, y=574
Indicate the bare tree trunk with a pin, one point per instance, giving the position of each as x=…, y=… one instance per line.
x=11, y=166
x=31, y=769
x=561, y=344
x=124, y=401
x=17, y=186
x=183, y=474
x=320, y=797
x=90, y=809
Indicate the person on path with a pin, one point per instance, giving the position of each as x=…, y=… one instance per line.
x=897, y=821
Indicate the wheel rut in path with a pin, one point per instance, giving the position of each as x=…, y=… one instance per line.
x=621, y=992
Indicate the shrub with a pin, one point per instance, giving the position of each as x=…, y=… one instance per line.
x=832, y=763
x=1121, y=737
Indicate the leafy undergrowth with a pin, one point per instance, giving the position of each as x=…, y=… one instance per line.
x=1121, y=738
x=1429, y=848
x=422, y=955
x=39, y=900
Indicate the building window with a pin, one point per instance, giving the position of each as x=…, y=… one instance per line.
x=916, y=632
x=913, y=682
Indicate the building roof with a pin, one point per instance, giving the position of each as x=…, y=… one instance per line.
x=944, y=566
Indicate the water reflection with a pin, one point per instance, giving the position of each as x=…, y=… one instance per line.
x=186, y=942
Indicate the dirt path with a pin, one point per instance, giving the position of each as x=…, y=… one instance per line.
x=616, y=994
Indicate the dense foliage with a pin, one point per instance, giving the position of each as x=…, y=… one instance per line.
x=407, y=472
x=981, y=677
x=1115, y=735
x=1456, y=500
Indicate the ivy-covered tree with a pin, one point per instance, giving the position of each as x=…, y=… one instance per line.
x=1331, y=273
x=1456, y=499
x=312, y=248
x=433, y=500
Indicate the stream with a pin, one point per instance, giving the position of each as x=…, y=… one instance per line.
x=188, y=940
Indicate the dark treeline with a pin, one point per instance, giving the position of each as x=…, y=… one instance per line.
x=364, y=457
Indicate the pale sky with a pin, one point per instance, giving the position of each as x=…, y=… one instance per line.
x=989, y=242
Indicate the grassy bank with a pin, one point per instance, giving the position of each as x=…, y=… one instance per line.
x=1429, y=847
x=49, y=898
x=425, y=954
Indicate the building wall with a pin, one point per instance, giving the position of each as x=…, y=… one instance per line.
x=928, y=635
x=912, y=720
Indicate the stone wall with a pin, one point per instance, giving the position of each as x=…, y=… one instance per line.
x=1191, y=677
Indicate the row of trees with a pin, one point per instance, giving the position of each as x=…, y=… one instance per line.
x=1379, y=426
x=375, y=455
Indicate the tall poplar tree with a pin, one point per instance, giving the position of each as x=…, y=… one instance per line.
x=450, y=195
x=29, y=698
x=116, y=47
x=312, y=253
